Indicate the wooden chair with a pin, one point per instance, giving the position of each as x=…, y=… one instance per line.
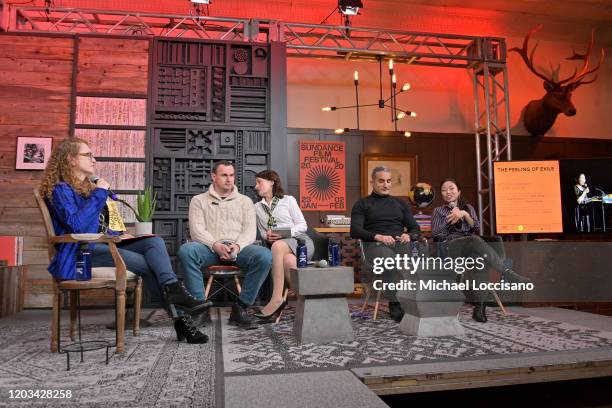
x=117, y=278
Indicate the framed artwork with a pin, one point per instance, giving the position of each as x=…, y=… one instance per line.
x=403, y=171
x=33, y=153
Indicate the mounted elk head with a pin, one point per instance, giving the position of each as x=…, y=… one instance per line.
x=540, y=114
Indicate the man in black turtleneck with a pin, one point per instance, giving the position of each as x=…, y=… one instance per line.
x=384, y=224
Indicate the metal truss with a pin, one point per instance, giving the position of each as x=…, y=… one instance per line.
x=485, y=57
x=302, y=40
x=492, y=135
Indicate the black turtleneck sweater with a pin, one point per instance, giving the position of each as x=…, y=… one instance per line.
x=385, y=215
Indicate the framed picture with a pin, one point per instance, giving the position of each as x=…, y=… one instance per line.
x=403, y=171
x=33, y=153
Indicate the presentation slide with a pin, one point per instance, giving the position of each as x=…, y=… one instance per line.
x=527, y=197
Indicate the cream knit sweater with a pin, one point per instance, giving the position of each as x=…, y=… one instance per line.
x=212, y=219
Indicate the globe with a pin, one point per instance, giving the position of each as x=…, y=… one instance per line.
x=421, y=195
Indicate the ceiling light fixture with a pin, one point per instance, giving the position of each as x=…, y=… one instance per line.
x=390, y=102
x=349, y=7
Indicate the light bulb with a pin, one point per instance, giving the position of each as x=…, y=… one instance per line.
x=356, y=76
x=390, y=65
x=413, y=114
x=327, y=108
x=339, y=131
x=401, y=115
x=407, y=133
x=405, y=87
x=393, y=79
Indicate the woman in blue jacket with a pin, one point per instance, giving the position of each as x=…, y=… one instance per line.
x=77, y=205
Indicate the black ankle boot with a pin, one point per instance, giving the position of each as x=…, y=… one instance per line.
x=186, y=329
x=479, y=313
x=177, y=295
x=241, y=318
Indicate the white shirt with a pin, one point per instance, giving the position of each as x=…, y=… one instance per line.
x=287, y=214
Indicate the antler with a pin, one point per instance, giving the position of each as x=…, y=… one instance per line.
x=576, y=79
x=529, y=58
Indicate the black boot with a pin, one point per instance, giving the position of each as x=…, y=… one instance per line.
x=177, y=295
x=510, y=276
x=186, y=329
x=396, y=311
x=479, y=314
x=241, y=318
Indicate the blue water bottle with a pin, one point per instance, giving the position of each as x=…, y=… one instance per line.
x=83, y=263
x=302, y=255
x=333, y=253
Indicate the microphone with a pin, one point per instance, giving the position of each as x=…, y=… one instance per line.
x=452, y=205
x=111, y=193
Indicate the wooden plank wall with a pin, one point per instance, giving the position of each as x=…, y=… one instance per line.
x=113, y=66
x=36, y=88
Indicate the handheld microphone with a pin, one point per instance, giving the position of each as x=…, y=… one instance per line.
x=111, y=193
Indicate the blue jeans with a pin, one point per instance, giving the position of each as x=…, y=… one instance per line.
x=255, y=260
x=146, y=257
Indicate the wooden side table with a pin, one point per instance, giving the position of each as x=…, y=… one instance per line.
x=322, y=314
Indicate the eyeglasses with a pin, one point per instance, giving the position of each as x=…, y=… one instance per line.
x=90, y=155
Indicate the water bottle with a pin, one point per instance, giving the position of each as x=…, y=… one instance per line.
x=414, y=242
x=302, y=256
x=83, y=263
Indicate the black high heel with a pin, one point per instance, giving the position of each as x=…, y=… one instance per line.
x=186, y=329
x=268, y=318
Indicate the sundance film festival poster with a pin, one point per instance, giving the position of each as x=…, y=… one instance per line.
x=322, y=176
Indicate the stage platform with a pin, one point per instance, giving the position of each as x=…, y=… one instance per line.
x=266, y=367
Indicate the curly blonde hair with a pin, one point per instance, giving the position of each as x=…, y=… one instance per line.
x=59, y=169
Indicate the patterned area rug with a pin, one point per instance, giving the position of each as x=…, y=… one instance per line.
x=273, y=348
x=154, y=371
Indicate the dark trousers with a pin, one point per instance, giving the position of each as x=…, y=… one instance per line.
x=474, y=246
x=377, y=250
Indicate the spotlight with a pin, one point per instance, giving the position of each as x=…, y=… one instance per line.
x=349, y=7
x=328, y=108
x=412, y=114
x=407, y=133
x=405, y=87
x=401, y=115
x=341, y=130
x=200, y=1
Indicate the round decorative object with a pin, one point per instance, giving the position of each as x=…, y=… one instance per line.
x=322, y=263
x=261, y=53
x=240, y=68
x=241, y=55
x=421, y=195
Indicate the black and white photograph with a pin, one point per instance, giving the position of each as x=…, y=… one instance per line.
x=33, y=153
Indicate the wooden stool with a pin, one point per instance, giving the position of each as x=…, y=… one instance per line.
x=222, y=271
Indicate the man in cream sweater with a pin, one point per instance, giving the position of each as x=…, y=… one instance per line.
x=223, y=227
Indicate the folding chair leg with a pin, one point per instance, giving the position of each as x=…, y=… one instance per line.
x=137, y=303
x=73, y=314
x=237, y=284
x=120, y=339
x=365, y=301
x=376, y=304
x=285, y=294
x=499, y=303
x=209, y=283
x=55, y=332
